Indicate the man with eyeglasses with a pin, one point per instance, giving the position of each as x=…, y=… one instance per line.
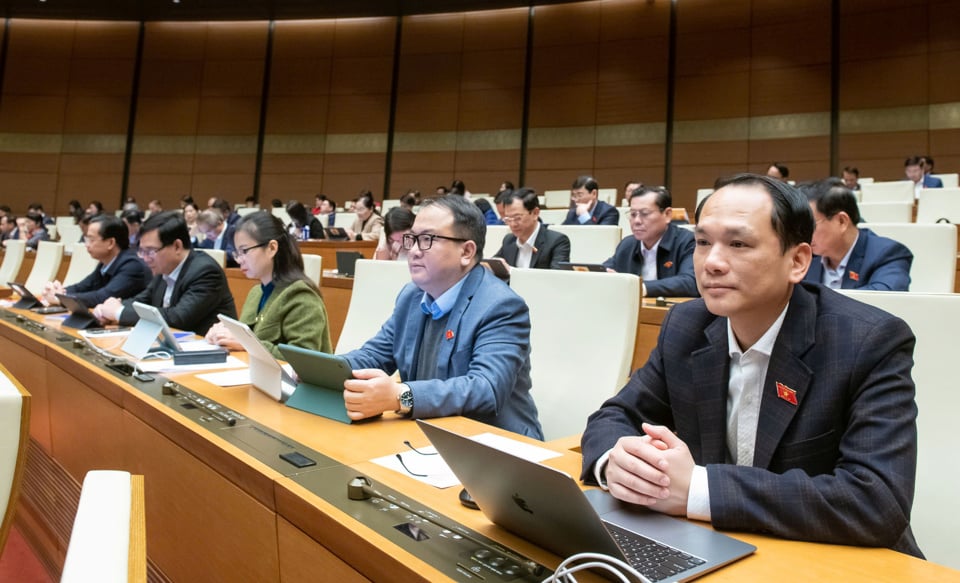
x=188, y=286
x=658, y=251
x=845, y=256
x=119, y=273
x=459, y=337
x=530, y=243
x=585, y=206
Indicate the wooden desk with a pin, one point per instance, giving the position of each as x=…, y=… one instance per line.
x=216, y=513
x=328, y=249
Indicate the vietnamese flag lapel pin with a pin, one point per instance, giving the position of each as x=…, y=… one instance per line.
x=786, y=393
x=854, y=276
x=449, y=334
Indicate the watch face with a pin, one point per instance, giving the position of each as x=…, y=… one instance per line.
x=406, y=398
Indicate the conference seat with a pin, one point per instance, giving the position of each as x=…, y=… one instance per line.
x=108, y=542
x=63, y=221
x=939, y=203
x=281, y=213
x=52, y=232
x=577, y=362
x=553, y=216
x=12, y=260
x=375, y=288
x=81, y=265
x=14, y=439
x=590, y=243
x=557, y=199
x=607, y=195
x=934, y=248
x=948, y=180
x=896, y=191
x=45, y=266
x=70, y=234
x=389, y=203
x=219, y=255
x=702, y=193
x=935, y=504
x=886, y=212
x=495, y=235
x=344, y=220
x=247, y=210
x=313, y=267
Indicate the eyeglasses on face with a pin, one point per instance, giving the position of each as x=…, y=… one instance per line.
x=242, y=252
x=514, y=218
x=644, y=214
x=424, y=241
x=149, y=252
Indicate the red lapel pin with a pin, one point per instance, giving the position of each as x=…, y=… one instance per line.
x=854, y=276
x=450, y=337
x=786, y=393
x=668, y=264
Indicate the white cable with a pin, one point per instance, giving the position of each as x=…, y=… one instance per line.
x=622, y=571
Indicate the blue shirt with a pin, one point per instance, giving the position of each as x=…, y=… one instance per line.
x=439, y=307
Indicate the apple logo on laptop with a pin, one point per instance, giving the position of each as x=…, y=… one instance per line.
x=521, y=503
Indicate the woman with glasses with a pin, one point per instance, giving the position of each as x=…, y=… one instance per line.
x=396, y=224
x=286, y=308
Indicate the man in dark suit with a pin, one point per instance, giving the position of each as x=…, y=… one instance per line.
x=217, y=234
x=132, y=218
x=530, y=243
x=586, y=208
x=769, y=405
x=913, y=167
x=658, y=251
x=188, y=286
x=119, y=273
x=8, y=227
x=849, y=257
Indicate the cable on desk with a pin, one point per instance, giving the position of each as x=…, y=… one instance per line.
x=618, y=569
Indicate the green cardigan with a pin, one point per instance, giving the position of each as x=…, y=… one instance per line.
x=293, y=314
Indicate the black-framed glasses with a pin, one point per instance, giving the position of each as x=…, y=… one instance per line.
x=425, y=240
x=149, y=252
x=240, y=252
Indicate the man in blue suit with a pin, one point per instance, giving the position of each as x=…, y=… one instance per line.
x=847, y=257
x=585, y=206
x=913, y=167
x=119, y=273
x=217, y=234
x=769, y=405
x=658, y=251
x=459, y=337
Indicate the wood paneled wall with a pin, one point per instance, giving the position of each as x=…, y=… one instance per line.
x=289, y=109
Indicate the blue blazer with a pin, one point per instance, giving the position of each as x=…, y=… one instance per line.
x=839, y=466
x=126, y=277
x=675, y=275
x=603, y=214
x=932, y=181
x=483, y=365
x=876, y=263
x=550, y=248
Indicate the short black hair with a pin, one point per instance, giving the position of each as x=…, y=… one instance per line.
x=913, y=161
x=852, y=170
x=170, y=226
x=468, y=221
x=527, y=196
x=781, y=168
x=112, y=227
x=791, y=218
x=664, y=198
x=586, y=182
x=397, y=219
x=132, y=216
x=831, y=198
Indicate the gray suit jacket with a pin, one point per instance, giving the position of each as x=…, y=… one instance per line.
x=483, y=365
x=838, y=467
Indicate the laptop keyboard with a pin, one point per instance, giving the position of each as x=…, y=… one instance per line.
x=654, y=560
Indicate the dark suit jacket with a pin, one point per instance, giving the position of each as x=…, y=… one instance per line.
x=126, y=277
x=550, y=248
x=226, y=245
x=932, y=181
x=603, y=214
x=876, y=263
x=675, y=275
x=837, y=467
x=200, y=293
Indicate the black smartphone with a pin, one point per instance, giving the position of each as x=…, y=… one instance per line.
x=298, y=459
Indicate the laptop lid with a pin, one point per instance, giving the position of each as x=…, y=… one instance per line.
x=320, y=390
x=336, y=233
x=547, y=507
x=347, y=262
x=144, y=334
x=80, y=316
x=27, y=299
x=266, y=374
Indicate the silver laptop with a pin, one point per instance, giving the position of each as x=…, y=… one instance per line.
x=548, y=508
x=266, y=373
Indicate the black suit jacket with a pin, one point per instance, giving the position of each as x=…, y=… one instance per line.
x=834, y=462
x=675, y=275
x=603, y=214
x=550, y=248
x=200, y=293
x=227, y=245
x=876, y=263
x=127, y=276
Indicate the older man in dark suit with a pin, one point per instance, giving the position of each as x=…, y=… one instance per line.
x=586, y=208
x=188, y=286
x=530, y=243
x=768, y=405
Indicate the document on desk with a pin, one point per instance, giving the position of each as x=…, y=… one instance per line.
x=166, y=365
x=426, y=465
x=227, y=378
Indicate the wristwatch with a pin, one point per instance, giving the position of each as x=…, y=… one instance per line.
x=406, y=401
